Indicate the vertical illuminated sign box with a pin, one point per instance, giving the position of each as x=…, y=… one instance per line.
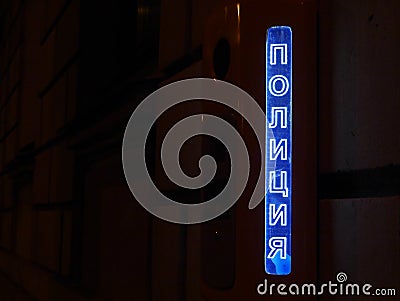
x=278, y=198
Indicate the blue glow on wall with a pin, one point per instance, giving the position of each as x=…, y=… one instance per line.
x=278, y=196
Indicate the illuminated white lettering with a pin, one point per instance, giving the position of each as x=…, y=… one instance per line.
x=284, y=85
x=282, y=187
x=284, y=54
x=277, y=244
x=276, y=215
x=282, y=113
x=275, y=149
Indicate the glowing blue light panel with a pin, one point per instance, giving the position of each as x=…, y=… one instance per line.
x=278, y=196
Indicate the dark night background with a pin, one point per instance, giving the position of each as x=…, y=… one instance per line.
x=71, y=74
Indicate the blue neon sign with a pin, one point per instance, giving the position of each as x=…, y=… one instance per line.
x=278, y=196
